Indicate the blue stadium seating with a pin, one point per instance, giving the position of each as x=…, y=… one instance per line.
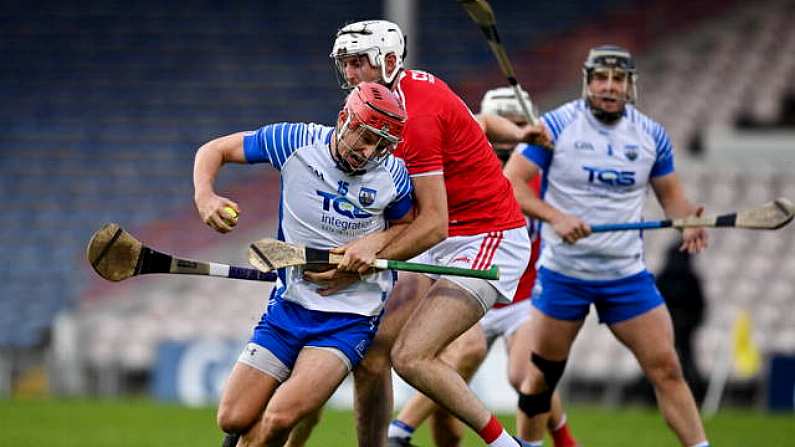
x=110, y=100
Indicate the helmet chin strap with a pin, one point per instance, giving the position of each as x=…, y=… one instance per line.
x=388, y=80
x=603, y=115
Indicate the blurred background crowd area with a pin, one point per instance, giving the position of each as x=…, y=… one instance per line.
x=105, y=104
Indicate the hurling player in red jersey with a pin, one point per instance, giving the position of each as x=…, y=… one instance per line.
x=467, y=217
x=509, y=321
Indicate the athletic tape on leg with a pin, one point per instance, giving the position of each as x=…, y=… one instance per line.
x=535, y=404
x=551, y=369
x=538, y=403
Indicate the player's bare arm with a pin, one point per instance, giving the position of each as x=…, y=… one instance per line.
x=208, y=161
x=499, y=129
x=430, y=221
x=359, y=255
x=671, y=194
x=408, y=240
x=519, y=171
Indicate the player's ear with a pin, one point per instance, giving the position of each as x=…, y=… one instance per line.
x=343, y=115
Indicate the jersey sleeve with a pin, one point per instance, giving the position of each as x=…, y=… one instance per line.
x=558, y=119
x=538, y=155
x=664, y=163
x=403, y=200
x=275, y=143
x=422, y=147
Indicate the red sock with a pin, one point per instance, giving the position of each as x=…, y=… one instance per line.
x=562, y=437
x=491, y=431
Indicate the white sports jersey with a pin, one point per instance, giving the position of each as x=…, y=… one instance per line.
x=600, y=174
x=323, y=207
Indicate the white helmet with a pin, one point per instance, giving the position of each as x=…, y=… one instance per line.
x=376, y=39
x=502, y=101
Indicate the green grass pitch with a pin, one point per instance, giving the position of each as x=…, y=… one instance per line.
x=143, y=423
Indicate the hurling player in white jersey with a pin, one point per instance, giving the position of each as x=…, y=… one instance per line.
x=606, y=155
x=510, y=321
x=339, y=184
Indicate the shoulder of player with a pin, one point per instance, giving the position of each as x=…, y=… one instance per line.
x=421, y=81
x=394, y=167
x=646, y=123
x=572, y=108
x=296, y=130
x=561, y=117
x=301, y=138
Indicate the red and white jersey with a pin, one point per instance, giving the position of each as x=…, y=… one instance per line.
x=442, y=137
x=528, y=279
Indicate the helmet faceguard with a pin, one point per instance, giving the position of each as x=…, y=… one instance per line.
x=609, y=61
x=374, y=38
x=374, y=121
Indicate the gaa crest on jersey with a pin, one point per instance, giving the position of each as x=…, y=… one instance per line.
x=631, y=152
x=367, y=196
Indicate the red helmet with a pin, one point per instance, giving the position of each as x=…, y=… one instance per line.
x=373, y=108
x=373, y=105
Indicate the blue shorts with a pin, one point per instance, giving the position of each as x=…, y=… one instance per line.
x=567, y=298
x=288, y=327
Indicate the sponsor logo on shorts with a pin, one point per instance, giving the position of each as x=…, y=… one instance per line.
x=464, y=259
x=361, y=348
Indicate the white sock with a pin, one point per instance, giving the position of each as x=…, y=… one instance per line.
x=399, y=429
x=701, y=444
x=539, y=443
x=504, y=440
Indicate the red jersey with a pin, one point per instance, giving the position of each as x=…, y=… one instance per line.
x=525, y=288
x=442, y=136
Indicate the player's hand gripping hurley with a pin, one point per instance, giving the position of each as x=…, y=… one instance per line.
x=117, y=255
x=269, y=254
x=481, y=13
x=770, y=216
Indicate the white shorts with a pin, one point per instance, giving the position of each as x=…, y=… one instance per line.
x=509, y=250
x=503, y=322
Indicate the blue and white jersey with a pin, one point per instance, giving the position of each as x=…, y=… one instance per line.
x=323, y=207
x=600, y=174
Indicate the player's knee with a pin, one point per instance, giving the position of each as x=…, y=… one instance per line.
x=664, y=369
x=280, y=421
x=539, y=400
x=401, y=361
x=536, y=403
x=516, y=376
x=231, y=420
x=551, y=370
x=405, y=360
